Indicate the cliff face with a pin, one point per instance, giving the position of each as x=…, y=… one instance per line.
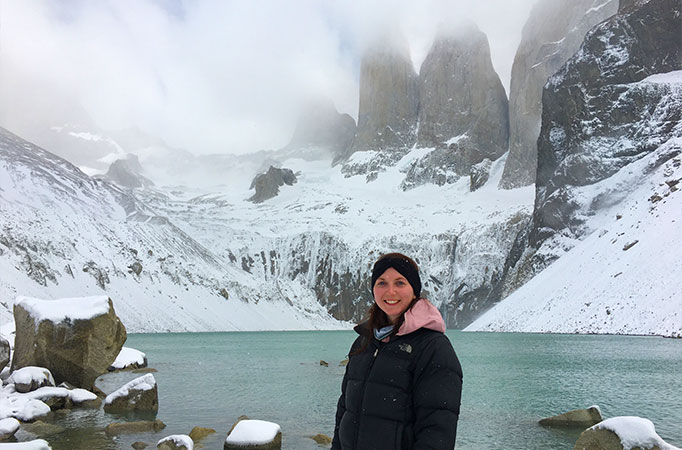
x=389, y=101
x=611, y=105
x=463, y=111
x=552, y=34
x=460, y=93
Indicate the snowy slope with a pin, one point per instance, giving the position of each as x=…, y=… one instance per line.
x=623, y=278
x=169, y=257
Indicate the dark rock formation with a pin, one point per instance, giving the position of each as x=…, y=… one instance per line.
x=127, y=173
x=552, y=34
x=463, y=110
x=321, y=132
x=267, y=184
x=389, y=100
x=4, y=352
x=597, y=118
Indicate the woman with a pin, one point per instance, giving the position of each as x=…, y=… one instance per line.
x=403, y=382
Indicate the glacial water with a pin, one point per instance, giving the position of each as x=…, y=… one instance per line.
x=510, y=382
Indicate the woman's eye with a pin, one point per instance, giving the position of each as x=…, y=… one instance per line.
x=381, y=283
x=400, y=283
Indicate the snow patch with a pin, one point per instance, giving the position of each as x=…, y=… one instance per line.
x=253, y=432
x=59, y=310
x=143, y=383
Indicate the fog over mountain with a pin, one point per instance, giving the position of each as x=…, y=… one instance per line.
x=207, y=77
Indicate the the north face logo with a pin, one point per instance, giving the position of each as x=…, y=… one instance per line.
x=407, y=348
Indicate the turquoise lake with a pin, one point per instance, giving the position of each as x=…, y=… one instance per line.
x=510, y=382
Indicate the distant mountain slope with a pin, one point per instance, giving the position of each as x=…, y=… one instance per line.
x=64, y=234
x=607, y=205
x=623, y=278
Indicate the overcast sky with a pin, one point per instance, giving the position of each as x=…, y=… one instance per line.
x=211, y=76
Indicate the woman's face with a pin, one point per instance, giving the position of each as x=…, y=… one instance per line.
x=392, y=293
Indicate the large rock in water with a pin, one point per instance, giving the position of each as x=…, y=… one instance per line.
x=140, y=394
x=267, y=184
x=552, y=34
x=578, y=418
x=321, y=131
x=389, y=101
x=77, y=339
x=621, y=433
x=463, y=110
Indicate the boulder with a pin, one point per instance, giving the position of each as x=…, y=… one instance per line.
x=479, y=175
x=30, y=378
x=8, y=427
x=139, y=445
x=199, y=433
x=175, y=442
x=267, y=184
x=140, y=394
x=321, y=439
x=40, y=428
x=142, y=426
x=77, y=339
x=4, y=352
x=578, y=418
x=254, y=435
x=621, y=433
x=129, y=359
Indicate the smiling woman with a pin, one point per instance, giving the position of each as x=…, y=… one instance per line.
x=403, y=382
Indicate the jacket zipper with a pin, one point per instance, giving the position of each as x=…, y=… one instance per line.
x=364, y=389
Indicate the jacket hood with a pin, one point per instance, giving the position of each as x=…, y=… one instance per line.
x=422, y=315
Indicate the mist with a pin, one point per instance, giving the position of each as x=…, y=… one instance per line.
x=211, y=76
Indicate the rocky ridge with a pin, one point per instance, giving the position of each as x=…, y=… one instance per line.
x=610, y=106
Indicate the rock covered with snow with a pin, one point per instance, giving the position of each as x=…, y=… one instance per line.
x=176, y=442
x=8, y=427
x=30, y=378
x=140, y=394
x=622, y=433
x=267, y=184
x=554, y=31
x=127, y=173
x=129, y=359
x=76, y=338
x=254, y=435
x=36, y=444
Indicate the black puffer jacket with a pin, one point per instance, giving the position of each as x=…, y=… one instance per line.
x=401, y=395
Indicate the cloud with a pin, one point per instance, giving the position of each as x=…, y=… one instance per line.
x=210, y=76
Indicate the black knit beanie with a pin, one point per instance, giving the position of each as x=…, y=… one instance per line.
x=403, y=266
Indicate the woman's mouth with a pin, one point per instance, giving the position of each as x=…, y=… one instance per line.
x=392, y=302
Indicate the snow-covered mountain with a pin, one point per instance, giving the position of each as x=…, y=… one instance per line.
x=590, y=248
x=65, y=234
x=169, y=257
